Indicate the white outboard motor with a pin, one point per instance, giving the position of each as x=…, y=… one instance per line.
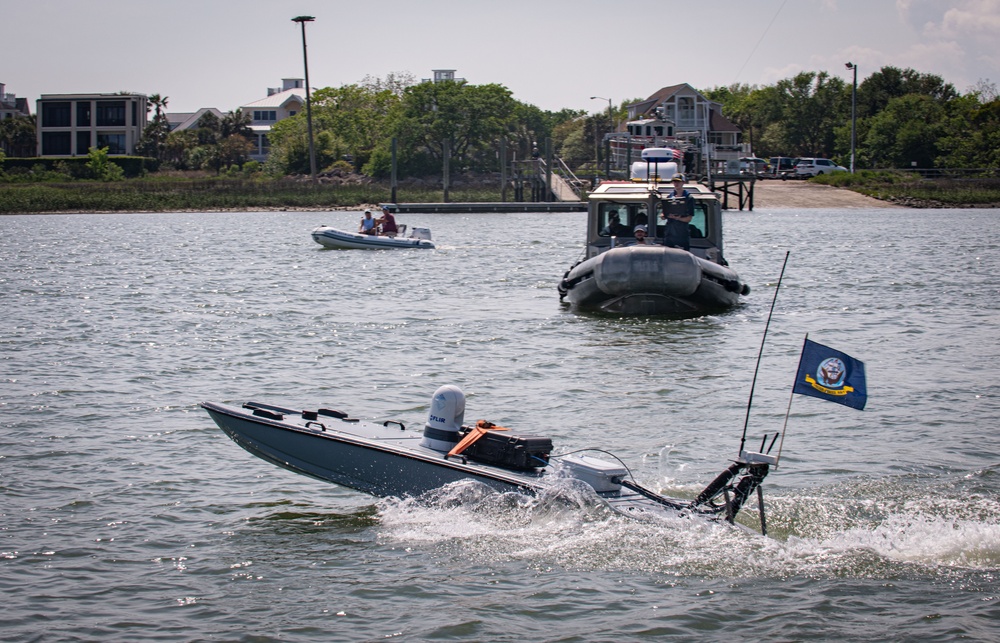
x=421, y=233
x=444, y=421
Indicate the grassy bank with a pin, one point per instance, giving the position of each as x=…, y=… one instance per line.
x=910, y=189
x=215, y=194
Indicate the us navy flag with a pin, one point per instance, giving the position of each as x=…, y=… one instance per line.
x=831, y=375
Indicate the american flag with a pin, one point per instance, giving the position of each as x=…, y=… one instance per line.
x=677, y=153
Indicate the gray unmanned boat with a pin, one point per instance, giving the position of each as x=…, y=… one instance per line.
x=387, y=459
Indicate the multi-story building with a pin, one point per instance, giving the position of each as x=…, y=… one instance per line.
x=71, y=124
x=281, y=102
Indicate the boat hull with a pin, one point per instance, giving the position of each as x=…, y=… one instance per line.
x=653, y=280
x=340, y=240
x=374, y=459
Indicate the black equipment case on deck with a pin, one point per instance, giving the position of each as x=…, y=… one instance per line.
x=510, y=451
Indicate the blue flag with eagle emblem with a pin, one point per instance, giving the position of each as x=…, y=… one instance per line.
x=831, y=375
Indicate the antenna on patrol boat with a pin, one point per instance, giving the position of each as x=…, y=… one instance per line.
x=743, y=440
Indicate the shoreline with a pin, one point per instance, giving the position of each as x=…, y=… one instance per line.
x=768, y=194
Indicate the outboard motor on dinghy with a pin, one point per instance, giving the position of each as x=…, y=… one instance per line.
x=444, y=421
x=421, y=233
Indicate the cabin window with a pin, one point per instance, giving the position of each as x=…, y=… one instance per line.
x=699, y=222
x=620, y=219
x=659, y=130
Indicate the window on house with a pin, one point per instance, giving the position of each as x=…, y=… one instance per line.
x=111, y=113
x=715, y=138
x=115, y=142
x=292, y=113
x=82, y=142
x=83, y=113
x=56, y=114
x=265, y=115
x=56, y=143
x=685, y=108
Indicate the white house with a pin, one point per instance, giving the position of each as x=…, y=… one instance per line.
x=11, y=105
x=281, y=102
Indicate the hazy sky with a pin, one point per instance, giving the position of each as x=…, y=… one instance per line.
x=549, y=53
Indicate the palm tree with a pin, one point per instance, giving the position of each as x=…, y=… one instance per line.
x=236, y=123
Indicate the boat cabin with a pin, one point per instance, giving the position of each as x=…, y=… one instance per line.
x=617, y=207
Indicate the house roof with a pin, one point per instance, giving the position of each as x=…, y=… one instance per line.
x=280, y=99
x=644, y=107
x=719, y=123
x=189, y=120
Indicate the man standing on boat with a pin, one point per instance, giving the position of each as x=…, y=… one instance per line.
x=678, y=209
x=387, y=223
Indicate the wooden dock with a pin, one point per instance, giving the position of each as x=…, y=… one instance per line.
x=472, y=208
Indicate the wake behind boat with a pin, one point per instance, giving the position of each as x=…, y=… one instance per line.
x=620, y=275
x=387, y=459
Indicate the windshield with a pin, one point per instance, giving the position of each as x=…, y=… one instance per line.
x=620, y=219
x=699, y=222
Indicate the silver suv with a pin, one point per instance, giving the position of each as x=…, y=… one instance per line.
x=815, y=167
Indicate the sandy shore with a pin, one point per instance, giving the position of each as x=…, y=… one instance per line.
x=803, y=194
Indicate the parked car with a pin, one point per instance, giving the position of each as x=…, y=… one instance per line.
x=782, y=166
x=814, y=167
x=753, y=166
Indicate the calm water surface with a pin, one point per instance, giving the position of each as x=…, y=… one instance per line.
x=127, y=515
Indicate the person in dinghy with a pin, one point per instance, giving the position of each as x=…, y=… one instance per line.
x=386, y=224
x=367, y=225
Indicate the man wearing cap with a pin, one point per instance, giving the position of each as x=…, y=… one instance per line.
x=640, y=235
x=387, y=223
x=367, y=224
x=678, y=208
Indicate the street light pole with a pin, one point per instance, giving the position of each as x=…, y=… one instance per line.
x=854, y=111
x=611, y=126
x=302, y=20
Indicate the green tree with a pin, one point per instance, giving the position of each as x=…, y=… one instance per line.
x=153, y=141
x=875, y=92
x=812, y=104
x=971, y=133
x=176, y=148
x=906, y=131
x=470, y=118
x=101, y=167
x=209, y=129
x=359, y=117
x=235, y=123
x=17, y=136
